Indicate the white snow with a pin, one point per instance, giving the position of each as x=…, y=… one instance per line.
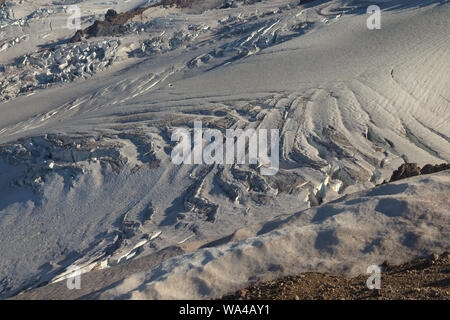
x=394, y=222
x=86, y=177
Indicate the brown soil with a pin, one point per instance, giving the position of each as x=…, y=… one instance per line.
x=421, y=279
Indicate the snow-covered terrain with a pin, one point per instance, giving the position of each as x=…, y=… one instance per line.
x=392, y=222
x=86, y=176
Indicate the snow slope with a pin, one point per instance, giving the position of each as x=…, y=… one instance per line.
x=393, y=222
x=85, y=168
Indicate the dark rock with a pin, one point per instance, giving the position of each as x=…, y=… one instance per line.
x=114, y=24
x=78, y=36
x=103, y=28
x=110, y=15
x=177, y=3
x=406, y=170
x=429, y=168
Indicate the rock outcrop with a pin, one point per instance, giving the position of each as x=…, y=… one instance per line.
x=115, y=23
x=407, y=170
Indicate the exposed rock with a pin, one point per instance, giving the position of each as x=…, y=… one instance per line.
x=114, y=23
x=178, y=3
x=429, y=168
x=406, y=170
x=110, y=15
